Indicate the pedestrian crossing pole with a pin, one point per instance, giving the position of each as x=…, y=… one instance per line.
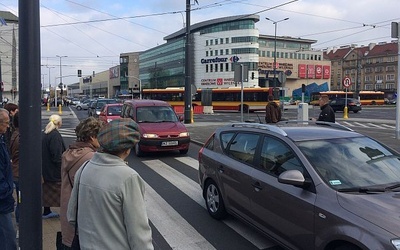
x=396, y=34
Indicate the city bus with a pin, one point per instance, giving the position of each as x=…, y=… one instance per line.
x=365, y=97
x=222, y=99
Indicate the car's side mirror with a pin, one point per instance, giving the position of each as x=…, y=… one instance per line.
x=293, y=177
x=180, y=117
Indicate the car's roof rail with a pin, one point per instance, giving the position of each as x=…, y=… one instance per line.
x=329, y=124
x=271, y=128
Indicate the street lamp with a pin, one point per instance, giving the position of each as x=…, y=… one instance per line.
x=61, y=84
x=274, y=66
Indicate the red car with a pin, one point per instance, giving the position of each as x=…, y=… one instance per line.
x=159, y=126
x=110, y=112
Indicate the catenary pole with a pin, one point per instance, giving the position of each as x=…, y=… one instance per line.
x=30, y=161
x=188, y=89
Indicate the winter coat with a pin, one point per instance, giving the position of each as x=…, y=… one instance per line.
x=6, y=180
x=327, y=114
x=14, y=151
x=111, y=210
x=273, y=113
x=52, y=148
x=72, y=159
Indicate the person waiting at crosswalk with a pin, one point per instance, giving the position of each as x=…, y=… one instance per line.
x=107, y=200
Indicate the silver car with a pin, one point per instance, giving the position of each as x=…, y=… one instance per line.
x=307, y=186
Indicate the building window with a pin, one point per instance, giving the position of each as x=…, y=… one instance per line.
x=226, y=51
x=378, y=69
x=263, y=53
x=211, y=53
x=216, y=52
x=216, y=41
x=206, y=68
x=206, y=42
x=268, y=53
x=378, y=77
x=367, y=79
x=226, y=67
x=221, y=41
x=206, y=53
x=221, y=67
x=227, y=40
x=389, y=68
x=389, y=77
x=211, y=42
x=368, y=86
x=379, y=86
x=390, y=86
x=221, y=52
x=211, y=67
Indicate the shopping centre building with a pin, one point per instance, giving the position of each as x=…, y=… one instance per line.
x=216, y=46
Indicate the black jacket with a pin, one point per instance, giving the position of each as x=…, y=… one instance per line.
x=327, y=114
x=52, y=149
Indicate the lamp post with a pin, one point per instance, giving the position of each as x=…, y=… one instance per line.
x=140, y=85
x=55, y=89
x=274, y=66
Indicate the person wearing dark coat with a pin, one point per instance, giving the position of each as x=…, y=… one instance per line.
x=327, y=114
x=273, y=113
x=7, y=230
x=52, y=149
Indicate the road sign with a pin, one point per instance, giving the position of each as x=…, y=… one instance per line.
x=346, y=82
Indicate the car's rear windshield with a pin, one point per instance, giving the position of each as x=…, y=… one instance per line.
x=114, y=110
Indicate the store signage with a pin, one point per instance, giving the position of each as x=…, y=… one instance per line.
x=214, y=60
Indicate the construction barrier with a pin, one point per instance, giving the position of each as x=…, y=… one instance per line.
x=196, y=109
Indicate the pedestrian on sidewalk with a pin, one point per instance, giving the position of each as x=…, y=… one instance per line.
x=72, y=159
x=111, y=212
x=327, y=114
x=7, y=231
x=14, y=150
x=52, y=148
x=12, y=109
x=273, y=113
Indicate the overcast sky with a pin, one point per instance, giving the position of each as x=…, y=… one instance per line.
x=93, y=33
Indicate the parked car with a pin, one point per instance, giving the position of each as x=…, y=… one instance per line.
x=83, y=105
x=310, y=186
x=338, y=104
x=110, y=112
x=74, y=101
x=159, y=126
x=95, y=106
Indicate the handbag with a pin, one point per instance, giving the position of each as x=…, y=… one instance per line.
x=75, y=242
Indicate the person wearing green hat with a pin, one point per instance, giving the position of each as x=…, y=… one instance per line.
x=107, y=200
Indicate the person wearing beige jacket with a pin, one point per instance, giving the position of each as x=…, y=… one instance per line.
x=72, y=159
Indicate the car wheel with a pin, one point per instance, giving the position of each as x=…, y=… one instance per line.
x=78, y=107
x=183, y=151
x=138, y=151
x=214, y=202
x=355, y=111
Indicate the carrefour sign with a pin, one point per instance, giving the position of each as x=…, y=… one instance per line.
x=215, y=60
x=220, y=60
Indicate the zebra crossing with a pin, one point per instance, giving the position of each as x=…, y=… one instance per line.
x=164, y=217
x=367, y=125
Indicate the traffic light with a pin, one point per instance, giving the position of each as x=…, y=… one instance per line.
x=303, y=88
x=252, y=75
x=79, y=73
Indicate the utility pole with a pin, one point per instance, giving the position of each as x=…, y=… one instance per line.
x=30, y=151
x=60, y=85
x=274, y=66
x=188, y=89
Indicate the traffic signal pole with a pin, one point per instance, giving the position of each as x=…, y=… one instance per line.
x=30, y=156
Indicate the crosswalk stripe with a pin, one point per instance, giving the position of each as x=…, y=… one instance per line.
x=361, y=125
x=389, y=126
x=192, y=190
x=348, y=124
x=164, y=217
x=189, y=161
x=376, y=126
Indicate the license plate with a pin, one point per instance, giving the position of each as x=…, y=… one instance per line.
x=169, y=143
